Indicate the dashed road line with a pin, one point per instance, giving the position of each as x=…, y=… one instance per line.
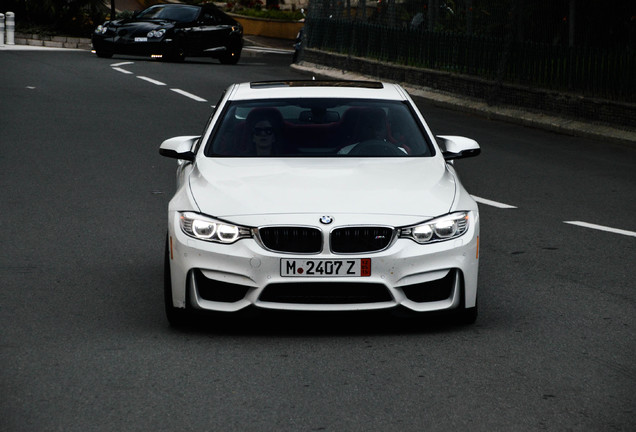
x=190, y=95
x=124, y=71
x=492, y=203
x=150, y=80
x=116, y=66
x=602, y=228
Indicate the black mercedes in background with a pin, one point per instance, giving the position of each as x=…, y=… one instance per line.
x=174, y=32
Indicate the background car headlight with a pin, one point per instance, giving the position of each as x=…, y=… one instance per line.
x=156, y=33
x=101, y=29
x=439, y=229
x=208, y=229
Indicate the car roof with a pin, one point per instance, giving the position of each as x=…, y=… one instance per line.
x=317, y=89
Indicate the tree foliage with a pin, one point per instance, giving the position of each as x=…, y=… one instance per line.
x=71, y=17
x=591, y=23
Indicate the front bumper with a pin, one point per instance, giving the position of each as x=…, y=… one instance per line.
x=127, y=46
x=421, y=278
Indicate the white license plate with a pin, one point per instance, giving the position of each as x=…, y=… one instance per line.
x=325, y=268
x=141, y=39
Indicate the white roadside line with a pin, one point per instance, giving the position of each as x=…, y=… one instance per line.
x=269, y=50
x=150, y=80
x=492, y=203
x=602, y=228
x=190, y=95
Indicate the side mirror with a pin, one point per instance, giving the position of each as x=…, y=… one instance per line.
x=458, y=147
x=179, y=147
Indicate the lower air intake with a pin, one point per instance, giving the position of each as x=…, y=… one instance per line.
x=325, y=293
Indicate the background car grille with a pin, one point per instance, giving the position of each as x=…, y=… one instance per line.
x=325, y=293
x=360, y=239
x=291, y=239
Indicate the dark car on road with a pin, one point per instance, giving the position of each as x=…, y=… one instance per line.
x=172, y=31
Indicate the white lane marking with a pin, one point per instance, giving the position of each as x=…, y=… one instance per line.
x=190, y=95
x=150, y=80
x=492, y=203
x=122, y=70
x=602, y=228
x=159, y=83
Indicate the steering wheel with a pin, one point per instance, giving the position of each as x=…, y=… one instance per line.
x=376, y=147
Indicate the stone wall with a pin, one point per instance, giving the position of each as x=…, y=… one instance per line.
x=52, y=41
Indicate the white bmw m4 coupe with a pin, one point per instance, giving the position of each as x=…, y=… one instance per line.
x=320, y=196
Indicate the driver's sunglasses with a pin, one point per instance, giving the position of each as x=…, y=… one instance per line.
x=263, y=131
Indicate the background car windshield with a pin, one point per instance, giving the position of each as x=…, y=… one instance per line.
x=318, y=128
x=181, y=13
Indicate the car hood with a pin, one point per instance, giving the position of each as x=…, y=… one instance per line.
x=143, y=26
x=254, y=191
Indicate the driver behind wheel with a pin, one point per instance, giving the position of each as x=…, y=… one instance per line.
x=371, y=125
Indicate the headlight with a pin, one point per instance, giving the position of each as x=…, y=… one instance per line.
x=101, y=29
x=205, y=228
x=156, y=33
x=439, y=229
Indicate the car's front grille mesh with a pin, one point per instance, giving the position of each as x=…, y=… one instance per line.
x=291, y=239
x=360, y=239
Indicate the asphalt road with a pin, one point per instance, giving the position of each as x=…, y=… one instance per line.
x=85, y=346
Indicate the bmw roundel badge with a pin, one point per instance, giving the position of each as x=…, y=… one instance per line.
x=326, y=220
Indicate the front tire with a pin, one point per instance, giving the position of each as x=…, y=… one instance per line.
x=103, y=54
x=464, y=315
x=176, y=52
x=231, y=56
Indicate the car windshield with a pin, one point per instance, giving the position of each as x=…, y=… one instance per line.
x=178, y=13
x=318, y=128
